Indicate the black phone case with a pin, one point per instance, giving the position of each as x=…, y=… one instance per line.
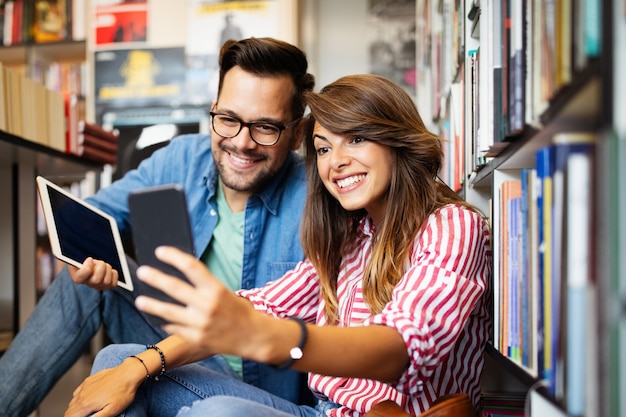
x=159, y=216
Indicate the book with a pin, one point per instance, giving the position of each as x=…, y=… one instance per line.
x=71, y=122
x=498, y=87
x=544, y=164
x=89, y=140
x=565, y=144
x=509, y=190
x=528, y=270
x=96, y=130
x=578, y=270
x=97, y=155
x=50, y=20
x=56, y=120
x=78, y=26
x=3, y=100
x=516, y=68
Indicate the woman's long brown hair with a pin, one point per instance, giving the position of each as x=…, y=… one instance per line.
x=374, y=108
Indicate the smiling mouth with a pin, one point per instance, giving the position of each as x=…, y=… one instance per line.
x=241, y=160
x=346, y=182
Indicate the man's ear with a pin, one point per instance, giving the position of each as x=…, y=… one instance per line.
x=299, y=130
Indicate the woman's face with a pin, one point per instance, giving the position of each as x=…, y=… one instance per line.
x=356, y=171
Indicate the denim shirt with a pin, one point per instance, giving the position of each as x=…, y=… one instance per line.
x=271, y=231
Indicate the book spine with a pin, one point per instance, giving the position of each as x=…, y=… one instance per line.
x=85, y=139
x=578, y=269
x=97, y=155
x=95, y=130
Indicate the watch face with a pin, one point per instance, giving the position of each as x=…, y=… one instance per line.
x=295, y=353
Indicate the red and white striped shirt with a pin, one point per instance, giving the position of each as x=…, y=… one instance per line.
x=440, y=307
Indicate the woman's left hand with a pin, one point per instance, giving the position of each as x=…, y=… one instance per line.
x=210, y=316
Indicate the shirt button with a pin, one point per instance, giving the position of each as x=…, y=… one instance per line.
x=251, y=236
x=213, y=212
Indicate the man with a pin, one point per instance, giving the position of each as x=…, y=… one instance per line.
x=245, y=190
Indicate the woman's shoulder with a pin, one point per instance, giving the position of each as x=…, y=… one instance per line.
x=457, y=216
x=457, y=210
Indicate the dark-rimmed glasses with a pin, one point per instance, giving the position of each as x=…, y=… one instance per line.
x=263, y=133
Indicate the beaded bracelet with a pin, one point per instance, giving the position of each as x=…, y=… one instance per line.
x=144, y=365
x=162, y=356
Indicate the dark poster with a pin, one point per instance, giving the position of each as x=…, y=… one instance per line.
x=140, y=78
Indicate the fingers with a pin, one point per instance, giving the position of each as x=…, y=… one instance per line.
x=197, y=298
x=193, y=269
x=175, y=287
x=95, y=274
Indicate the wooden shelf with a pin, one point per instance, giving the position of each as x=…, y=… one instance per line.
x=53, y=51
x=521, y=375
x=47, y=161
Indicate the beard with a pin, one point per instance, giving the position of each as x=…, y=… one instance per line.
x=245, y=180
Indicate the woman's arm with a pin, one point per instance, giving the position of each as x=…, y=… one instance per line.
x=221, y=322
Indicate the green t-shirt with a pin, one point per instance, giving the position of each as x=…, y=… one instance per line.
x=224, y=255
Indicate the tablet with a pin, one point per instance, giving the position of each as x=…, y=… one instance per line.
x=78, y=230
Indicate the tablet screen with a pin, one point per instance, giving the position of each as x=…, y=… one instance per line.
x=78, y=230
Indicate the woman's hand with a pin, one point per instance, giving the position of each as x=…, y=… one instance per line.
x=211, y=316
x=108, y=392
x=95, y=274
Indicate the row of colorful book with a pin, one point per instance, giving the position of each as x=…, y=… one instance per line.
x=544, y=291
x=529, y=52
x=41, y=21
x=50, y=118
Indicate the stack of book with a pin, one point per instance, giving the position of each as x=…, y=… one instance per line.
x=96, y=144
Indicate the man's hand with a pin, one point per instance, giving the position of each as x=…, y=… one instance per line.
x=95, y=274
x=108, y=392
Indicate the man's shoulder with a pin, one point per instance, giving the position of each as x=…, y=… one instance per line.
x=190, y=146
x=189, y=140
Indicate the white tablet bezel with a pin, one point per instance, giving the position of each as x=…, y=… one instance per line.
x=42, y=185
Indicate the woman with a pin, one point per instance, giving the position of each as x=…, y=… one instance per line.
x=396, y=281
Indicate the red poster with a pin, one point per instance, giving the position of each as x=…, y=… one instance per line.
x=122, y=21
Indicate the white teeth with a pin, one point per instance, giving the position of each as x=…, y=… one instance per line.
x=241, y=160
x=349, y=181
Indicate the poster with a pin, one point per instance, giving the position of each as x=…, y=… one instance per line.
x=209, y=24
x=117, y=22
x=140, y=77
x=392, y=47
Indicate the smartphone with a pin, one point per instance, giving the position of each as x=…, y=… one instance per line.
x=159, y=216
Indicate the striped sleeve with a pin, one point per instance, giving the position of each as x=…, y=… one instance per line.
x=432, y=305
x=295, y=294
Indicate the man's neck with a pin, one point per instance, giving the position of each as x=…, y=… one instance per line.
x=236, y=199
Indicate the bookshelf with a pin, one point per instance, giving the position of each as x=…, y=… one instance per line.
x=20, y=161
x=536, y=73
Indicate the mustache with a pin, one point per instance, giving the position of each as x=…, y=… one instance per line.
x=245, y=154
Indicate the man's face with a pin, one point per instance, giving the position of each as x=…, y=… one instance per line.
x=245, y=166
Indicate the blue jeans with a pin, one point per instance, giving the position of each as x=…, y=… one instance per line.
x=194, y=390
x=60, y=330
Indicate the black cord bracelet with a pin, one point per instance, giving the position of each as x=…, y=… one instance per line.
x=162, y=356
x=144, y=365
x=295, y=353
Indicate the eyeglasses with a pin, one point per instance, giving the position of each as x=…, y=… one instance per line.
x=263, y=133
